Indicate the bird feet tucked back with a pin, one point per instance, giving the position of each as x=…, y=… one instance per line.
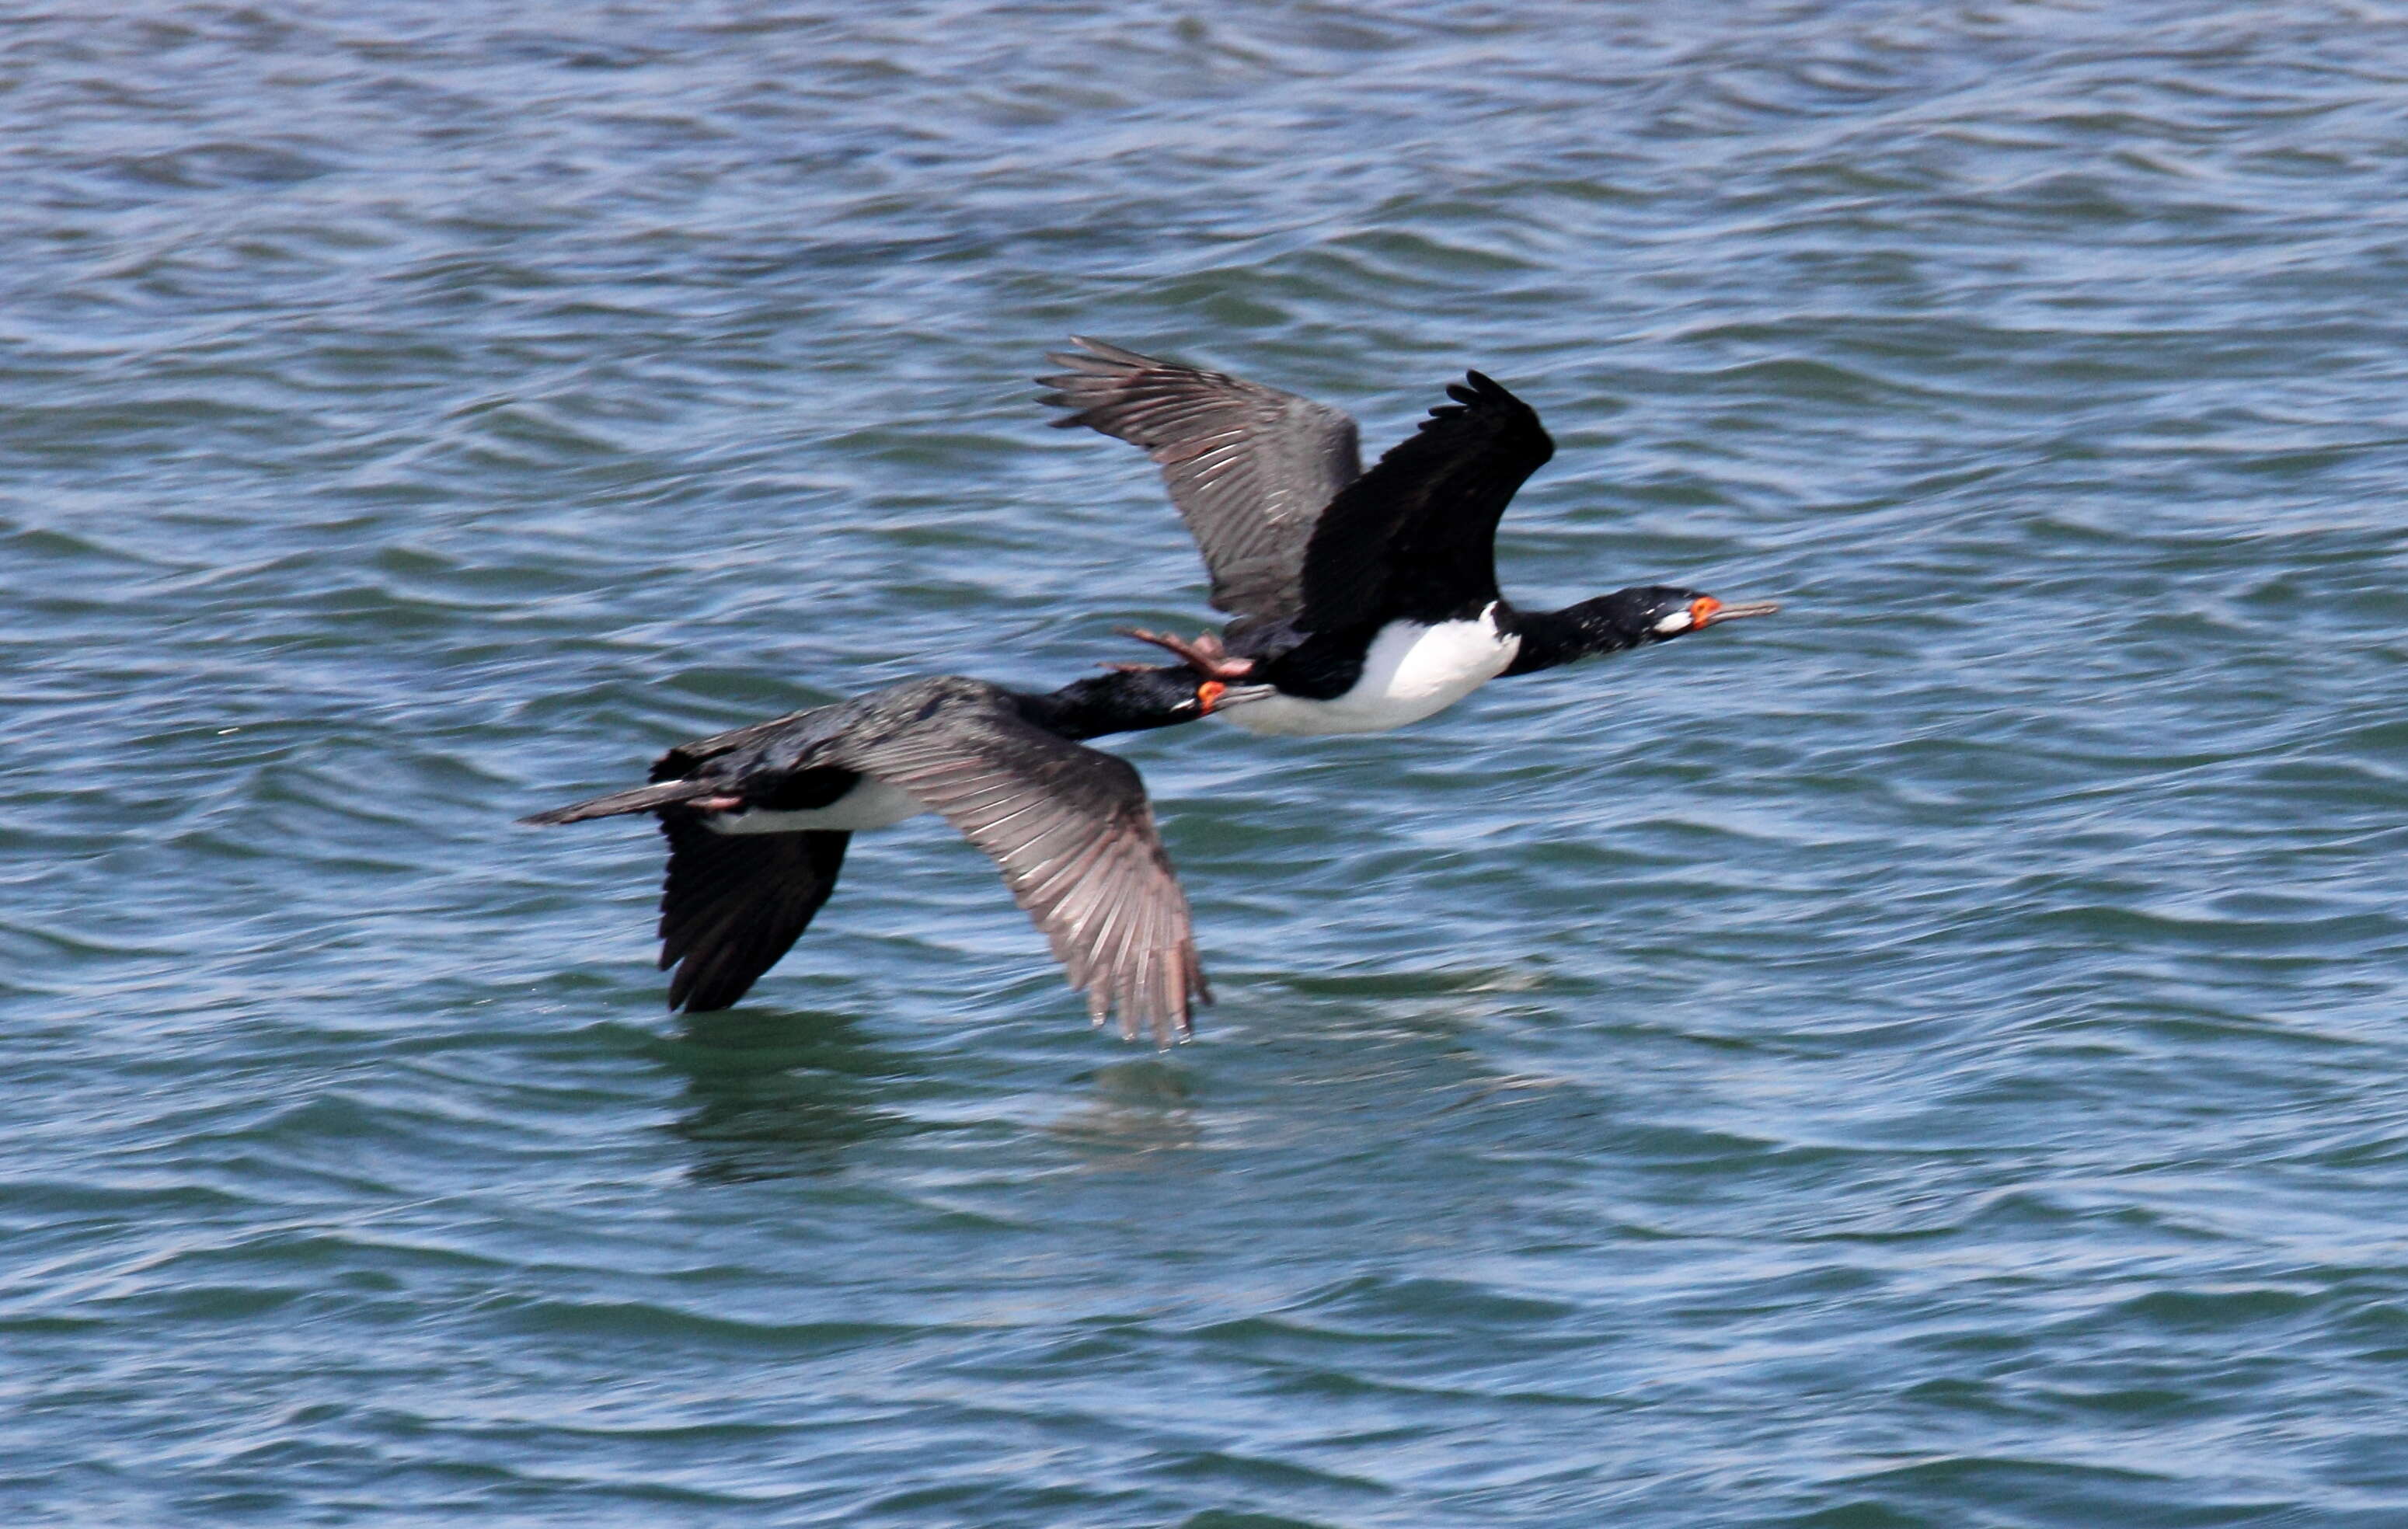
x=1205, y=655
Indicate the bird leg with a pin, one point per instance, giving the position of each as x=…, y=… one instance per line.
x=1205, y=655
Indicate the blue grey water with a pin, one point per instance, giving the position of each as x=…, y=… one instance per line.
x=1934, y=1058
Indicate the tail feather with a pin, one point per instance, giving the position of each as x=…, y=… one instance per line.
x=638, y=799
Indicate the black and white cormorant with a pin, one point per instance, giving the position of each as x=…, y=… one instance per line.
x=758, y=820
x=1362, y=600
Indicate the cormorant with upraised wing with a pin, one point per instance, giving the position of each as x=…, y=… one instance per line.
x=1362, y=600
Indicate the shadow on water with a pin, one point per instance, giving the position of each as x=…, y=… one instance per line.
x=778, y=1094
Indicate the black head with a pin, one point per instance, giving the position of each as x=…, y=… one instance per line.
x=1160, y=695
x=1631, y=618
x=1660, y=613
x=1127, y=700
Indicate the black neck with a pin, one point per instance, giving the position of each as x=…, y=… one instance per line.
x=1606, y=624
x=1123, y=701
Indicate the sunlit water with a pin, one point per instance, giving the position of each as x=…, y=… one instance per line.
x=1934, y=1058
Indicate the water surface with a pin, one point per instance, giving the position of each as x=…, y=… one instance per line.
x=1931, y=1059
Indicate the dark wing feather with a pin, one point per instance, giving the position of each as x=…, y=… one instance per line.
x=1071, y=831
x=731, y=904
x=1250, y=468
x=1417, y=535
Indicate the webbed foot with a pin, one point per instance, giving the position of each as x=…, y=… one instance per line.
x=1205, y=655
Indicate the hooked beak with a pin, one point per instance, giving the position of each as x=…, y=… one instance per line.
x=1708, y=611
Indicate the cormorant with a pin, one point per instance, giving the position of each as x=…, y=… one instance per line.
x=758, y=820
x=1362, y=600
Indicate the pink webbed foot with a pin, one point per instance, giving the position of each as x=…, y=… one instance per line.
x=1205, y=655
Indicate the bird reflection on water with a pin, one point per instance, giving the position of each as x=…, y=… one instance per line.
x=781, y=1094
x=1134, y=1107
x=776, y=1096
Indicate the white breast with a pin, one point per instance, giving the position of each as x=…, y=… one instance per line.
x=870, y=804
x=1412, y=672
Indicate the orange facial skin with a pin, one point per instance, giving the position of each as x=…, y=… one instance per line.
x=1208, y=695
x=1701, y=610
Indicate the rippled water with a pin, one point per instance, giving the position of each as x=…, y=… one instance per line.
x=1932, y=1059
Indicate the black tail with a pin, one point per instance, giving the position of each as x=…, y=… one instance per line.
x=639, y=799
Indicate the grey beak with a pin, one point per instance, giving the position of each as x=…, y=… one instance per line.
x=1744, y=607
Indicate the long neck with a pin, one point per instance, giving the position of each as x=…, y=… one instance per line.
x=1123, y=701
x=1552, y=637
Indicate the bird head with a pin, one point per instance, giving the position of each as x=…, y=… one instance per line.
x=1659, y=612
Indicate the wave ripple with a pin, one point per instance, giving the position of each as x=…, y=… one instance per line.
x=1931, y=1060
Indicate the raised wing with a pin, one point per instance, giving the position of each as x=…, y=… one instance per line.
x=1416, y=536
x=1249, y=467
x=1070, y=828
x=733, y=903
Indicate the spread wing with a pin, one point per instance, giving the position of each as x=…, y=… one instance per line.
x=1249, y=467
x=1417, y=535
x=733, y=903
x=1071, y=831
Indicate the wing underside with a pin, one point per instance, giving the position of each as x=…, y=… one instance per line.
x=1250, y=468
x=1071, y=831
